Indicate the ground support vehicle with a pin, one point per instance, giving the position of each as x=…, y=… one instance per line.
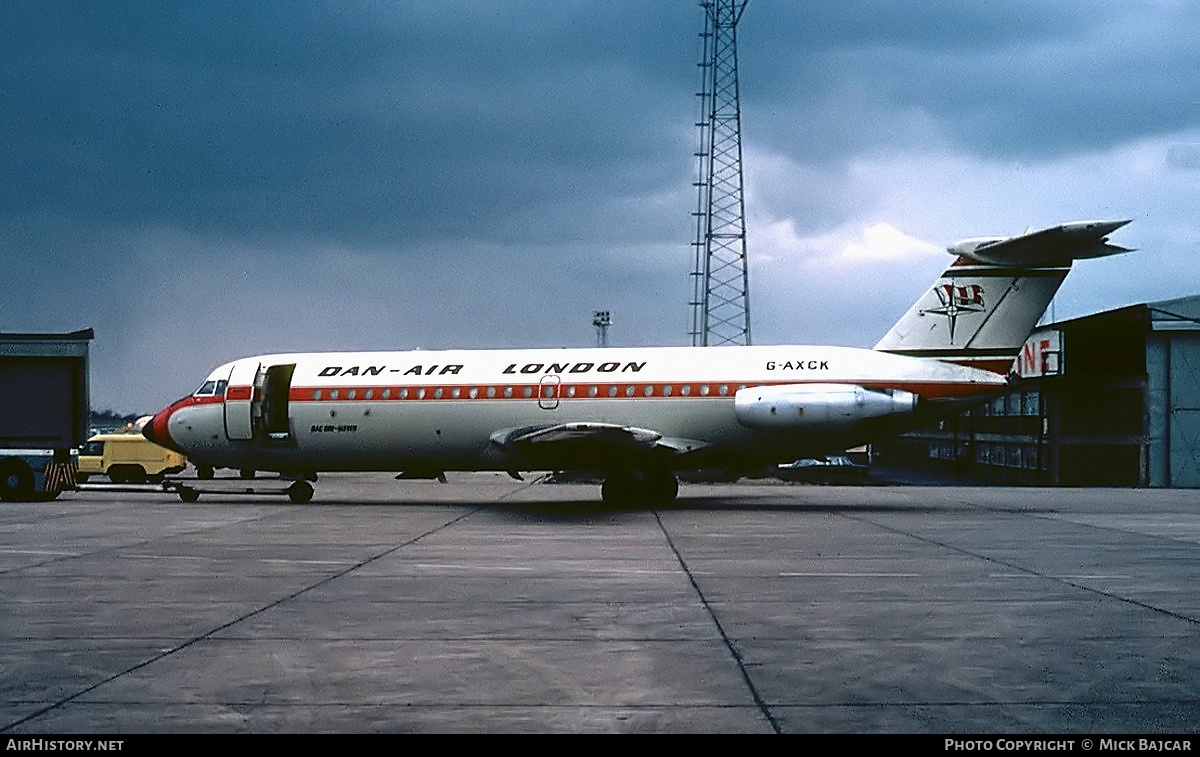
x=127, y=458
x=43, y=412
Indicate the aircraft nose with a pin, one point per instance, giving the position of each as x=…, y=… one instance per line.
x=156, y=430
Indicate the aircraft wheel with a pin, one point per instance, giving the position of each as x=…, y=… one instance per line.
x=204, y=472
x=300, y=492
x=660, y=488
x=81, y=478
x=188, y=495
x=16, y=481
x=620, y=489
x=246, y=473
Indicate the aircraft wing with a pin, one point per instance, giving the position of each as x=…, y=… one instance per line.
x=1057, y=245
x=590, y=444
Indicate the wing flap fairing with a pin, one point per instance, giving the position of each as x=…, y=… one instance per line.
x=591, y=444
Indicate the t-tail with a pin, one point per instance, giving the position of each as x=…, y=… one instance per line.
x=983, y=307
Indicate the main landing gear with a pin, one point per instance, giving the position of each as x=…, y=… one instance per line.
x=650, y=488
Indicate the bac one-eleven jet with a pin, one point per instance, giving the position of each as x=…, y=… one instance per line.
x=636, y=416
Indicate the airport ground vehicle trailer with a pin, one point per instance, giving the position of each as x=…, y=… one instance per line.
x=43, y=412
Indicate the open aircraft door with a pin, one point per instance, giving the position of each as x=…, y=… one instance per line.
x=273, y=387
x=239, y=397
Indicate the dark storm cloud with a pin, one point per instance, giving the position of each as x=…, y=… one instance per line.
x=348, y=121
x=1013, y=80
x=414, y=121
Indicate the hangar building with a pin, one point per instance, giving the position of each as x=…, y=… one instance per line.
x=1110, y=399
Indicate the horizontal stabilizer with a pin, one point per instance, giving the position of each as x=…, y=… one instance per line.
x=1058, y=245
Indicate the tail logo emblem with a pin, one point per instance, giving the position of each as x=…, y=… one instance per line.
x=957, y=300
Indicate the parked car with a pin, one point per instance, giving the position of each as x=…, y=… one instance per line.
x=824, y=469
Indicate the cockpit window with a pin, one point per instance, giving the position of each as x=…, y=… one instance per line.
x=220, y=390
x=206, y=389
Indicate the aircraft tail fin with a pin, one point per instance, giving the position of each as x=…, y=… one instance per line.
x=982, y=308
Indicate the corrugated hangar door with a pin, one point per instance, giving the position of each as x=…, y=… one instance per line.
x=1184, y=409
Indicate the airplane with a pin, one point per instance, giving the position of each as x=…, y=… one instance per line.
x=636, y=416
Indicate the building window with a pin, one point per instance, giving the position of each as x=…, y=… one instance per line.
x=1031, y=402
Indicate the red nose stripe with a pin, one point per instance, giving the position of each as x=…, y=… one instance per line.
x=156, y=430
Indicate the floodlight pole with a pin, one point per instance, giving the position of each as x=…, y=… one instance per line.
x=601, y=319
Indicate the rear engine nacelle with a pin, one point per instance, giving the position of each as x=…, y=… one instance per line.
x=802, y=406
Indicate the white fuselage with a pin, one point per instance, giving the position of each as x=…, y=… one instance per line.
x=432, y=411
x=636, y=416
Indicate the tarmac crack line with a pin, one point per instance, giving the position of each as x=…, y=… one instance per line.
x=1029, y=571
x=729, y=645
x=229, y=624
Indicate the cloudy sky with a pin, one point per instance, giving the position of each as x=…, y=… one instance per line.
x=200, y=181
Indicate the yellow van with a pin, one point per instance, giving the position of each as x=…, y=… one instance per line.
x=127, y=458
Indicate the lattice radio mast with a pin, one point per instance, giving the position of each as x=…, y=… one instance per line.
x=720, y=286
